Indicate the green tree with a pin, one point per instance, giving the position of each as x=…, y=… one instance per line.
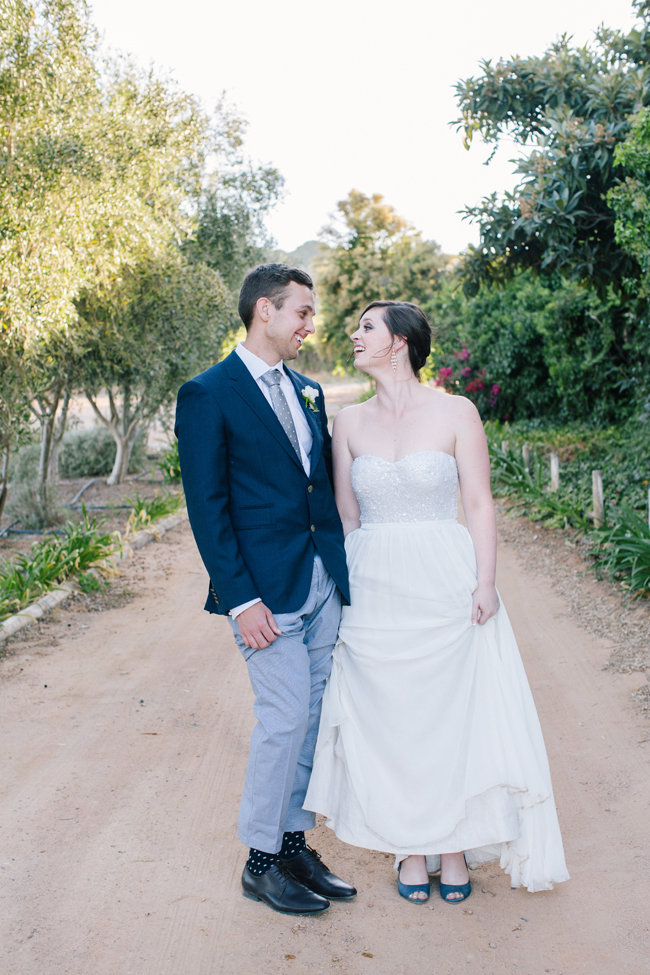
x=142, y=335
x=14, y=405
x=372, y=253
x=44, y=70
x=229, y=234
x=630, y=198
x=170, y=311
x=568, y=109
x=97, y=173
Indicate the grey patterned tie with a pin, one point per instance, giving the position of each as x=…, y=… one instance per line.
x=272, y=379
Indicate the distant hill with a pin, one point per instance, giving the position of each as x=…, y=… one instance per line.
x=303, y=256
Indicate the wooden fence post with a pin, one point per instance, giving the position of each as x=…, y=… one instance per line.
x=555, y=471
x=525, y=452
x=598, y=502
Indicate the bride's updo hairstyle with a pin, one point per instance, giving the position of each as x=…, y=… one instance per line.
x=405, y=320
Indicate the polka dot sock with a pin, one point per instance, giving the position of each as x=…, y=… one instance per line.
x=259, y=862
x=292, y=845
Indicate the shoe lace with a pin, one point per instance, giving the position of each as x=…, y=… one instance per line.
x=283, y=868
x=315, y=855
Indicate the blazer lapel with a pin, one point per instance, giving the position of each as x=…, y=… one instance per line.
x=314, y=425
x=246, y=387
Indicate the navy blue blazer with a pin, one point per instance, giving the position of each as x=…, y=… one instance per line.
x=256, y=516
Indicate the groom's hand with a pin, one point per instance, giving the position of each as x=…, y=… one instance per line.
x=257, y=626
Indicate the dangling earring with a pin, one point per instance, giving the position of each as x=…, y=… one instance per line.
x=393, y=360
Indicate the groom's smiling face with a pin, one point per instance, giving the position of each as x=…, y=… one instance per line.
x=287, y=327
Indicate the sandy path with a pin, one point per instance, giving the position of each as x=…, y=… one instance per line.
x=125, y=734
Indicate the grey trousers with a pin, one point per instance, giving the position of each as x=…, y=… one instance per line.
x=288, y=679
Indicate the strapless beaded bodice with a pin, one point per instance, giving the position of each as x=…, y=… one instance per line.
x=419, y=487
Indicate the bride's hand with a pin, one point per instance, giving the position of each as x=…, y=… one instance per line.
x=485, y=603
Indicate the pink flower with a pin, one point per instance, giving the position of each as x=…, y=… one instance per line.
x=463, y=354
x=467, y=371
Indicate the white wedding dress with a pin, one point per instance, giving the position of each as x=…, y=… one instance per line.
x=429, y=739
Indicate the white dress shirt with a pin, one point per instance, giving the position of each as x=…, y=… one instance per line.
x=257, y=367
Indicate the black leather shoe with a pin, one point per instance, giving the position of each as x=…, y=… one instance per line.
x=282, y=892
x=309, y=869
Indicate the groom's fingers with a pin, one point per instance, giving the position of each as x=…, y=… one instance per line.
x=272, y=624
x=257, y=626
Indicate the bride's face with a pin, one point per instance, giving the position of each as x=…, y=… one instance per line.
x=372, y=341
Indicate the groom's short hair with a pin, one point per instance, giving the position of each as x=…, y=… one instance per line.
x=268, y=281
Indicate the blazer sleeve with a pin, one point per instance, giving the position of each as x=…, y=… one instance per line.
x=203, y=453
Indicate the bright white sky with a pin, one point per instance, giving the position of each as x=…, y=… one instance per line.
x=352, y=94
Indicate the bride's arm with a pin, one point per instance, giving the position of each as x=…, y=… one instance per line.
x=473, y=462
x=346, y=502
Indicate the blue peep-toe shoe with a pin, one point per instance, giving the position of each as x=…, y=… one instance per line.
x=407, y=889
x=447, y=889
x=464, y=889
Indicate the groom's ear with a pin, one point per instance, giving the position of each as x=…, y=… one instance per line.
x=263, y=307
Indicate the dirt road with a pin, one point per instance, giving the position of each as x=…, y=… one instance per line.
x=124, y=736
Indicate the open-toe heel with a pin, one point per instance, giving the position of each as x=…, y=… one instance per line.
x=463, y=889
x=405, y=890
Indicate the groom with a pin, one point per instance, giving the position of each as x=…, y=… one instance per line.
x=255, y=457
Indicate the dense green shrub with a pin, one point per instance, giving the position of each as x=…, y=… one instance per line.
x=91, y=453
x=547, y=345
x=24, y=463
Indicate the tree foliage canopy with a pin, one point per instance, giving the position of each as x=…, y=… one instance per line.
x=630, y=198
x=568, y=109
x=373, y=253
x=106, y=172
x=575, y=216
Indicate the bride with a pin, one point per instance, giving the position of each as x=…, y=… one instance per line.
x=429, y=744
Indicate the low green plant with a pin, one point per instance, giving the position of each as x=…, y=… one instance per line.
x=621, y=548
x=52, y=561
x=146, y=510
x=529, y=492
x=169, y=464
x=88, y=582
x=623, y=552
x=621, y=452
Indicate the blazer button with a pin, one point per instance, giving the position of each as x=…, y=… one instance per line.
x=313, y=528
x=310, y=488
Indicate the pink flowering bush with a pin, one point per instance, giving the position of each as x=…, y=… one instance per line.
x=463, y=376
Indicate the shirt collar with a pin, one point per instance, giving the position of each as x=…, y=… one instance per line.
x=256, y=366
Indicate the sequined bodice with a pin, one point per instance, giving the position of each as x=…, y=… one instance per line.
x=419, y=487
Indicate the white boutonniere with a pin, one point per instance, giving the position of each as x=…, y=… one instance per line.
x=310, y=395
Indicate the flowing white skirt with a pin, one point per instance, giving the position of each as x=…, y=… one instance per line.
x=429, y=739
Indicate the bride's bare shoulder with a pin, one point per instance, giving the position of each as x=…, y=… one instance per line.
x=347, y=418
x=452, y=404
